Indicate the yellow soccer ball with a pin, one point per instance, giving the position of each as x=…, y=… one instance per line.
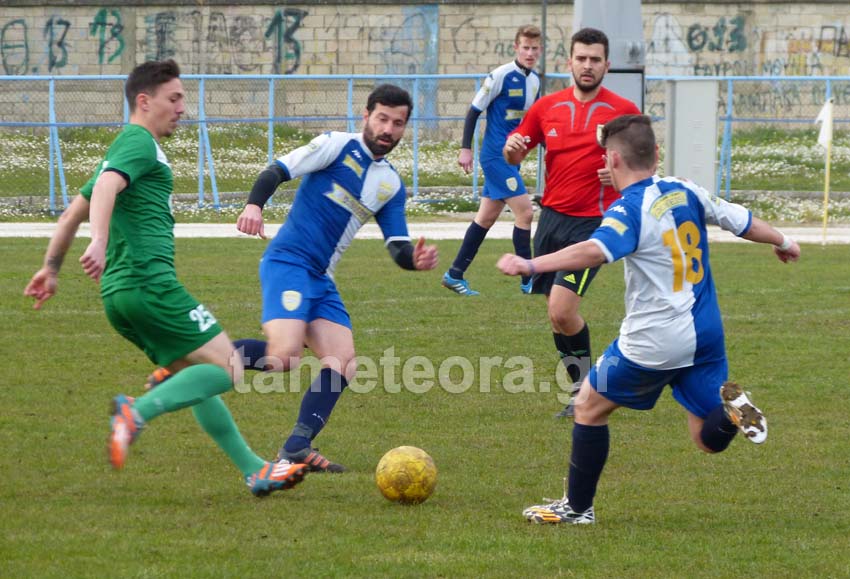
x=406, y=475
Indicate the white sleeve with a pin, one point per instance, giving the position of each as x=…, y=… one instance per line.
x=314, y=156
x=729, y=216
x=489, y=90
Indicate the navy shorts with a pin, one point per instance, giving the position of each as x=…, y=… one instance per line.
x=696, y=388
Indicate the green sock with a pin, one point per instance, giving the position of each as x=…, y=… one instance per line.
x=215, y=419
x=188, y=387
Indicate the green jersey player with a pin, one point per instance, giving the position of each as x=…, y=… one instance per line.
x=131, y=254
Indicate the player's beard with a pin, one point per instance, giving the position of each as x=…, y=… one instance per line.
x=378, y=148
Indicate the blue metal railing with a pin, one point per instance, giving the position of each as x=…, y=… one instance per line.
x=205, y=158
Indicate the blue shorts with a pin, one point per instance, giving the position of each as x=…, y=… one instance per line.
x=501, y=181
x=623, y=382
x=293, y=292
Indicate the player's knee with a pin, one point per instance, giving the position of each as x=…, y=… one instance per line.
x=563, y=321
x=523, y=217
x=280, y=358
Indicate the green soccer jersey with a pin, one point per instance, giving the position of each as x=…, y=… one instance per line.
x=141, y=232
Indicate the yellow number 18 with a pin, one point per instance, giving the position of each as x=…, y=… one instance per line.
x=685, y=253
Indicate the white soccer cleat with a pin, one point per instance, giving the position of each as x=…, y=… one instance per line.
x=743, y=413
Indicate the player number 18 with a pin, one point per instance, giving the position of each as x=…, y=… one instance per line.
x=685, y=253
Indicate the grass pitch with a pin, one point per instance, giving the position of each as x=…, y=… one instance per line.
x=664, y=509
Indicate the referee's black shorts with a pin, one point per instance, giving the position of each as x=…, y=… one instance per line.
x=554, y=232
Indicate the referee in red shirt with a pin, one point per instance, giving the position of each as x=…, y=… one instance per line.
x=578, y=187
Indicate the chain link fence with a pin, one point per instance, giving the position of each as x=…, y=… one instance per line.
x=235, y=125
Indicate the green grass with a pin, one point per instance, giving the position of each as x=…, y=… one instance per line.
x=664, y=509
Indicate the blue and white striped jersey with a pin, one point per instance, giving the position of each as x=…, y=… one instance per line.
x=659, y=228
x=343, y=187
x=506, y=94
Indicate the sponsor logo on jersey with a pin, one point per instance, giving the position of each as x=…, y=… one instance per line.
x=552, y=132
x=511, y=183
x=667, y=202
x=290, y=299
x=345, y=199
x=513, y=114
x=515, y=92
x=614, y=224
x=619, y=209
x=385, y=191
x=353, y=165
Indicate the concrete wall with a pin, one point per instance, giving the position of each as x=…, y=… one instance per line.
x=741, y=38
x=450, y=37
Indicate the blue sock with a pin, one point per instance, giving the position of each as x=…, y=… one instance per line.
x=522, y=246
x=252, y=351
x=473, y=239
x=590, y=451
x=316, y=408
x=717, y=430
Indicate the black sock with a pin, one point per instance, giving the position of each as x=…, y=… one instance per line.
x=717, y=430
x=522, y=246
x=472, y=240
x=575, y=353
x=252, y=351
x=590, y=451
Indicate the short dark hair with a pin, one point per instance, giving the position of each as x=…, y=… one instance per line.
x=589, y=36
x=527, y=31
x=631, y=136
x=147, y=77
x=389, y=95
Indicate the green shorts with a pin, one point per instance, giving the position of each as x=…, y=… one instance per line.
x=163, y=320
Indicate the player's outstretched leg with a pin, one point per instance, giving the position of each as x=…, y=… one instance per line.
x=743, y=413
x=275, y=476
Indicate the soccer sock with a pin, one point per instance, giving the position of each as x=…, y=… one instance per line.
x=252, y=351
x=215, y=419
x=316, y=408
x=472, y=240
x=188, y=387
x=522, y=246
x=590, y=451
x=576, y=346
x=717, y=430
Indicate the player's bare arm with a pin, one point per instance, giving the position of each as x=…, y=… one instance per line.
x=106, y=189
x=42, y=286
x=785, y=248
x=579, y=256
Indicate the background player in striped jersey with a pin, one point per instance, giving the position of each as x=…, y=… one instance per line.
x=506, y=94
x=578, y=187
x=673, y=331
x=346, y=181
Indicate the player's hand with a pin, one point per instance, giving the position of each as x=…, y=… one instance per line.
x=93, y=259
x=791, y=254
x=605, y=177
x=251, y=221
x=464, y=159
x=42, y=286
x=510, y=264
x=517, y=143
x=424, y=256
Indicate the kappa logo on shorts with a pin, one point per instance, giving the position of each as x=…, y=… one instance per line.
x=511, y=183
x=290, y=299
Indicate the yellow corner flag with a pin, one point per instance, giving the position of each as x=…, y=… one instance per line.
x=825, y=140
